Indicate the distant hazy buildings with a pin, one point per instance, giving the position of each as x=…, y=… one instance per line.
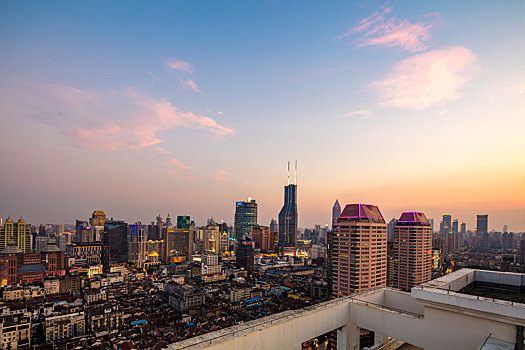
x=19, y=232
x=274, y=226
x=412, y=251
x=288, y=214
x=245, y=219
x=358, y=247
x=482, y=230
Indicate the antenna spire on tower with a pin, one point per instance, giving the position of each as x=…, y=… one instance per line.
x=288, y=173
x=296, y=172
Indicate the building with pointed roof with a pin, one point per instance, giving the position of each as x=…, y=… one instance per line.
x=412, y=251
x=357, y=250
x=336, y=212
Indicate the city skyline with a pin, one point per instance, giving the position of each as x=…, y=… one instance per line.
x=185, y=108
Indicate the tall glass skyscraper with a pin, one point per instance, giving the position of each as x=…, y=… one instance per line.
x=245, y=219
x=288, y=214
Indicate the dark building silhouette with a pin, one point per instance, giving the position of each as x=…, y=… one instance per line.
x=184, y=221
x=244, y=256
x=288, y=214
x=115, y=242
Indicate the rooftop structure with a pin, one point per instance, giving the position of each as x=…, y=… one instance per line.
x=432, y=316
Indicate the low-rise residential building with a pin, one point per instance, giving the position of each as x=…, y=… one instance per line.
x=105, y=318
x=182, y=298
x=65, y=326
x=240, y=293
x=15, y=331
x=51, y=286
x=94, y=296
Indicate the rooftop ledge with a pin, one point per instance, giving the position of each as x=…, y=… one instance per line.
x=446, y=293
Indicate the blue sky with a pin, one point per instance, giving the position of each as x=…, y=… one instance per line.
x=142, y=108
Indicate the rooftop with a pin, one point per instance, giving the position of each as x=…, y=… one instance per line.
x=361, y=211
x=413, y=217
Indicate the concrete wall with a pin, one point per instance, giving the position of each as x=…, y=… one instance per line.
x=447, y=321
x=285, y=331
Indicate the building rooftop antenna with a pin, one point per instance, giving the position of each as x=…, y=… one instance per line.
x=288, y=173
x=296, y=172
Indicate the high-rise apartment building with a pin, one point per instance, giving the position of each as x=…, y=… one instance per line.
x=19, y=232
x=412, y=251
x=336, y=211
x=288, y=214
x=358, y=250
x=245, y=219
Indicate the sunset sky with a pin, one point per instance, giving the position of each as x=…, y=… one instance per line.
x=147, y=108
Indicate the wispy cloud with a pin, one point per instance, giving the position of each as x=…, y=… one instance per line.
x=379, y=29
x=180, y=65
x=160, y=150
x=357, y=115
x=178, y=164
x=427, y=79
x=517, y=90
x=118, y=119
x=220, y=113
x=220, y=175
x=190, y=84
x=152, y=76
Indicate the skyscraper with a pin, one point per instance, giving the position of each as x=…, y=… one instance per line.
x=482, y=230
x=358, y=250
x=412, y=251
x=482, y=224
x=336, y=211
x=18, y=232
x=288, y=213
x=115, y=242
x=245, y=219
x=446, y=224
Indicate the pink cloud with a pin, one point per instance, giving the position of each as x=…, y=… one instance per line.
x=180, y=65
x=111, y=120
x=178, y=164
x=427, y=79
x=160, y=150
x=220, y=113
x=358, y=115
x=379, y=30
x=190, y=84
x=220, y=175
